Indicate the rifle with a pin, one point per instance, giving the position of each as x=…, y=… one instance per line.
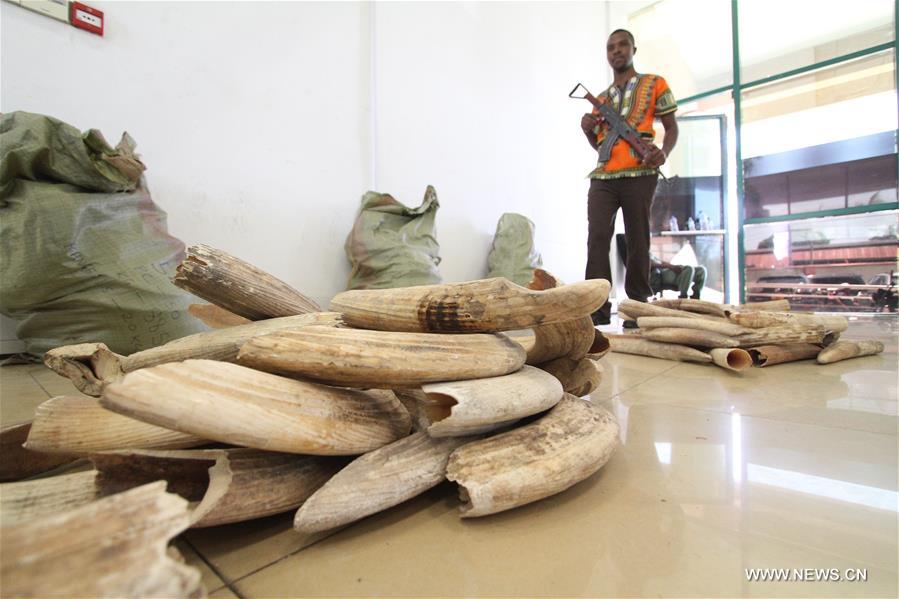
x=618, y=129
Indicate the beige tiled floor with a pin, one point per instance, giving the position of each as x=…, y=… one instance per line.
x=793, y=466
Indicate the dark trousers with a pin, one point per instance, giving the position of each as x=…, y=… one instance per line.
x=634, y=196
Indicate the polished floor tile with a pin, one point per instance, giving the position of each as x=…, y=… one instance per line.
x=223, y=593
x=53, y=383
x=622, y=372
x=691, y=500
x=791, y=467
x=211, y=580
x=237, y=550
x=20, y=394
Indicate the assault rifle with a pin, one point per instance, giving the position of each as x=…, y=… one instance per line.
x=618, y=129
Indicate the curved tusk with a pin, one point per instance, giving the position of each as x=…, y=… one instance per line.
x=541, y=280
x=469, y=407
x=91, y=366
x=19, y=462
x=223, y=485
x=762, y=319
x=568, y=444
x=637, y=309
x=488, y=305
x=127, y=533
x=578, y=377
x=694, y=305
x=361, y=358
x=80, y=425
x=238, y=286
x=634, y=344
x=237, y=405
x=44, y=497
x=601, y=346
x=215, y=317
x=378, y=480
x=571, y=338
x=720, y=327
x=771, y=305
x=787, y=334
x=843, y=350
x=695, y=337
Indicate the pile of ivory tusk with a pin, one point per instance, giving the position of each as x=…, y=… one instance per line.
x=735, y=337
x=281, y=406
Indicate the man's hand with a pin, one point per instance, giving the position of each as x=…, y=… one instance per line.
x=589, y=122
x=656, y=158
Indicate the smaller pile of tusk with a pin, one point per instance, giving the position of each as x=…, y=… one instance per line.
x=735, y=337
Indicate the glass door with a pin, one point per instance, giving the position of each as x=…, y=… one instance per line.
x=688, y=218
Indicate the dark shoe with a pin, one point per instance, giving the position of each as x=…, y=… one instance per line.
x=630, y=324
x=599, y=319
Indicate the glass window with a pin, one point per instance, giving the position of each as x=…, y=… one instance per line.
x=855, y=99
x=821, y=141
x=698, y=250
x=766, y=196
x=834, y=263
x=688, y=212
x=688, y=43
x=872, y=181
x=713, y=188
x=778, y=36
x=817, y=189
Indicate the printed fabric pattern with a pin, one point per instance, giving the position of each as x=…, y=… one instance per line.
x=645, y=98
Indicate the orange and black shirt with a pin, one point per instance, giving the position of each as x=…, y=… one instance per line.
x=645, y=98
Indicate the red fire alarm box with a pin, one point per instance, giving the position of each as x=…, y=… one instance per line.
x=85, y=17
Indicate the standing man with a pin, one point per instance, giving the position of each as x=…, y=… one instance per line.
x=624, y=181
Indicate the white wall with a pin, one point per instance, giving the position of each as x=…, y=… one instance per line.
x=262, y=124
x=471, y=97
x=252, y=118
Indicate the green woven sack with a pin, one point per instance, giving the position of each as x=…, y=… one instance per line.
x=85, y=255
x=513, y=255
x=392, y=245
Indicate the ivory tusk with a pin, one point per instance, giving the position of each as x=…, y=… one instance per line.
x=722, y=328
x=693, y=337
x=634, y=344
x=763, y=319
x=469, y=407
x=488, y=305
x=568, y=444
x=238, y=286
x=578, y=377
x=73, y=426
x=237, y=405
x=377, y=481
x=18, y=462
x=769, y=355
x=387, y=360
x=126, y=534
x=843, y=350
x=91, y=366
x=223, y=485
